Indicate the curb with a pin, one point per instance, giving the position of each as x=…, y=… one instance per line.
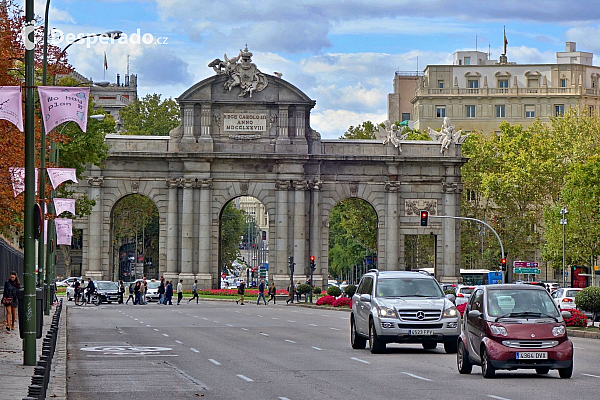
x=587, y=335
x=57, y=387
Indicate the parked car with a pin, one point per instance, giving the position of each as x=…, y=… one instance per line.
x=68, y=281
x=402, y=307
x=514, y=327
x=152, y=290
x=108, y=291
x=463, y=293
x=565, y=298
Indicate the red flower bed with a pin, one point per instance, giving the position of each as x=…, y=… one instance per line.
x=577, y=318
x=233, y=292
x=325, y=300
x=461, y=308
x=343, y=302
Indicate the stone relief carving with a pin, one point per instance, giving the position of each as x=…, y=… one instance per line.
x=244, y=137
x=173, y=183
x=300, y=185
x=452, y=187
x=390, y=134
x=414, y=206
x=272, y=120
x=244, y=74
x=217, y=119
x=96, y=181
x=354, y=189
x=392, y=186
x=177, y=132
x=283, y=185
x=205, y=183
x=188, y=183
x=447, y=135
x=316, y=185
x=135, y=185
x=244, y=188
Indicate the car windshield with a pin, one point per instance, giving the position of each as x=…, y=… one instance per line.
x=408, y=287
x=519, y=302
x=465, y=290
x=571, y=293
x=153, y=285
x=106, y=285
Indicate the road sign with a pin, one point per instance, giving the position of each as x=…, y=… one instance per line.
x=525, y=264
x=536, y=271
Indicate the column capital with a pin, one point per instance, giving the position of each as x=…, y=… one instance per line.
x=96, y=181
x=300, y=185
x=282, y=185
x=315, y=184
x=392, y=186
x=188, y=183
x=205, y=183
x=173, y=183
x=452, y=187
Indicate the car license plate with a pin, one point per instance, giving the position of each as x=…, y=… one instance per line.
x=420, y=331
x=532, y=355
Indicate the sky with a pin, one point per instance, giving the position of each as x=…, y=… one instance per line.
x=343, y=54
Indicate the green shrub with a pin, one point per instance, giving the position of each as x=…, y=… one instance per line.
x=449, y=291
x=303, y=288
x=588, y=300
x=317, y=290
x=350, y=290
x=334, y=291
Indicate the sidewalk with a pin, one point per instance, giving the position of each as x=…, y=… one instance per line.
x=16, y=377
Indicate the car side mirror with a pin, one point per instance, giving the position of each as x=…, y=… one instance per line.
x=451, y=297
x=365, y=297
x=474, y=314
x=565, y=314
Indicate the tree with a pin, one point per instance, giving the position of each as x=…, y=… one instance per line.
x=150, y=116
x=588, y=300
x=366, y=130
x=232, y=228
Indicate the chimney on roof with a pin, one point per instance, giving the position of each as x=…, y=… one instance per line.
x=118, y=80
x=570, y=47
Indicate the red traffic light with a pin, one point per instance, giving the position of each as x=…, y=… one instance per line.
x=503, y=261
x=424, y=217
x=312, y=258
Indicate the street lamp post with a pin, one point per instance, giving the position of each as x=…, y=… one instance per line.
x=563, y=222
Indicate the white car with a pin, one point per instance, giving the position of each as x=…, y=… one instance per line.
x=565, y=298
x=68, y=281
x=71, y=290
x=152, y=290
x=463, y=293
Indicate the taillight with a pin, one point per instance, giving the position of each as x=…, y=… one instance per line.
x=460, y=295
x=567, y=300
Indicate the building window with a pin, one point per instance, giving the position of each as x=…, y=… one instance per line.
x=503, y=83
x=473, y=83
x=593, y=83
x=592, y=110
x=471, y=195
x=501, y=111
x=470, y=111
x=405, y=116
x=533, y=83
x=440, y=84
x=529, y=111
x=559, y=109
x=467, y=60
x=563, y=82
x=440, y=111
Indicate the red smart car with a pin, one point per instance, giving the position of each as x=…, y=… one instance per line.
x=511, y=327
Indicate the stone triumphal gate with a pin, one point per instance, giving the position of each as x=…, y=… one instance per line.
x=245, y=133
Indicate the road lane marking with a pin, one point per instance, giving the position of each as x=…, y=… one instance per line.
x=237, y=312
x=244, y=378
x=283, y=398
x=342, y=318
x=156, y=329
x=274, y=318
x=416, y=376
x=497, y=397
x=317, y=348
x=141, y=322
x=289, y=320
x=148, y=326
x=335, y=329
x=194, y=350
x=188, y=315
x=259, y=316
x=264, y=334
x=165, y=335
x=244, y=329
x=135, y=319
x=177, y=341
x=206, y=319
x=579, y=348
x=295, y=311
x=313, y=325
x=359, y=360
x=229, y=325
x=289, y=341
x=216, y=322
x=593, y=376
x=214, y=361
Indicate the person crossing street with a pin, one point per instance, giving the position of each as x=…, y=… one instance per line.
x=194, y=292
x=261, y=293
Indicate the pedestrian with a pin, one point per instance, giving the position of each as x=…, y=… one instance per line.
x=241, y=290
x=143, y=288
x=290, y=294
x=179, y=291
x=130, y=293
x=137, y=290
x=9, y=299
x=121, y=292
x=90, y=289
x=298, y=295
x=307, y=293
x=272, y=293
x=261, y=292
x=169, y=293
x=194, y=292
x=161, y=291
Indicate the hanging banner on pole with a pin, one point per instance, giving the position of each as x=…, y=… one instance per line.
x=17, y=176
x=61, y=104
x=64, y=230
x=11, y=105
x=62, y=205
x=60, y=175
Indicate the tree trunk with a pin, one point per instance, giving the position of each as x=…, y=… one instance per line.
x=66, y=252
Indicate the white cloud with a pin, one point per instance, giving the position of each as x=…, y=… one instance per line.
x=331, y=124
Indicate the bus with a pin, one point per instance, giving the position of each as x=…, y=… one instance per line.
x=474, y=277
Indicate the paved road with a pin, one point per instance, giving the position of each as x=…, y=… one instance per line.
x=219, y=350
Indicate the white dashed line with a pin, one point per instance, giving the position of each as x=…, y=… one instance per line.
x=165, y=335
x=229, y=325
x=497, y=397
x=335, y=329
x=590, y=375
x=313, y=325
x=283, y=398
x=359, y=360
x=259, y=316
x=148, y=326
x=317, y=348
x=156, y=329
x=177, y=341
x=135, y=319
x=264, y=334
x=274, y=318
x=289, y=320
x=188, y=315
x=245, y=378
x=216, y=322
x=295, y=311
x=289, y=341
x=342, y=318
x=244, y=329
x=206, y=319
x=416, y=376
x=195, y=350
x=579, y=348
x=141, y=322
x=237, y=312
x=214, y=361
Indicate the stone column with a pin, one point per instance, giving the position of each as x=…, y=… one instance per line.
x=281, y=235
x=204, y=246
x=300, y=257
x=321, y=271
x=187, y=231
x=94, y=267
x=450, y=263
x=391, y=227
x=171, y=272
x=205, y=121
x=188, y=125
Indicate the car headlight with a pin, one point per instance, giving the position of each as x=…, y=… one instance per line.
x=558, y=330
x=387, y=312
x=450, y=312
x=498, y=330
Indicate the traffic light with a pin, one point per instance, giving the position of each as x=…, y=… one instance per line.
x=291, y=263
x=312, y=263
x=424, y=217
x=503, y=264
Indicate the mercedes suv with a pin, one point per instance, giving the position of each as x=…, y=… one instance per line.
x=402, y=307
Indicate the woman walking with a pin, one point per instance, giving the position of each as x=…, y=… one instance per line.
x=241, y=291
x=130, y=294
x=121, y=292
x=9, y=299
x=272, y=293
x=169, y=293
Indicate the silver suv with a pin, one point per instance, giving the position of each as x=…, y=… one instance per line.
x=402, y=307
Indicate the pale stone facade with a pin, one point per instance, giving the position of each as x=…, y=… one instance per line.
x=478, y=94
x=213, y=157
x=400, y=107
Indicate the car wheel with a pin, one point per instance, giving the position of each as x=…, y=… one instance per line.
x=450, y=347
x=565, y=373
x=542, y=370
x=375, y=344
x=357, y=341
x=429, y=345
x=487, y=370
x=462, y=360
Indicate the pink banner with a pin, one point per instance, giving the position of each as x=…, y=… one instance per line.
x=17, y=176
x=11, y=105
x=60, y=175
x=62, y=205
x=64, y=230
x=61, y=104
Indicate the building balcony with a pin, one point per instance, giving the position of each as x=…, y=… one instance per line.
x=503, y=92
